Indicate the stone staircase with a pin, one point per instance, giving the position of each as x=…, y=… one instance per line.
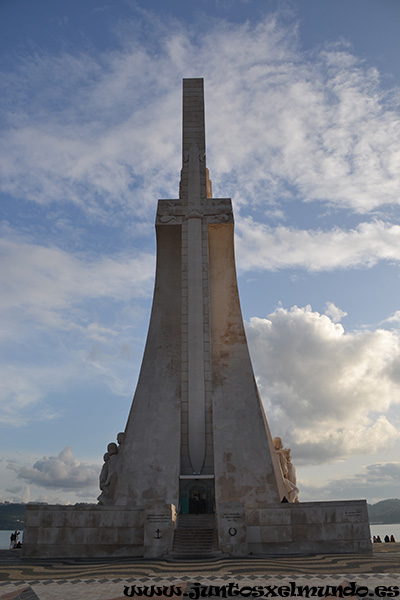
x=195, y=537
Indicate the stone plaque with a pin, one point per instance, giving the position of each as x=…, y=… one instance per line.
x=232, y=529
x=159, y=526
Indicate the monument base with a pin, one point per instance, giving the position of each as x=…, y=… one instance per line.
x=86, y=531
x=94, y=531
x=304, y=528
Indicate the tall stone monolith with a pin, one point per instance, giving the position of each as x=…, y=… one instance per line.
x=196, y=414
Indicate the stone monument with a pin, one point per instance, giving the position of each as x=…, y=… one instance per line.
x=196, y=413
x=196, y=459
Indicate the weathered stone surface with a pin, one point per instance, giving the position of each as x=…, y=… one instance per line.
x=232, y=529
x=149, y=463
x=159, y=526
x=89, y=530
x=246, y=466
x=196, y=378
x=309, y=527
x=275, y=517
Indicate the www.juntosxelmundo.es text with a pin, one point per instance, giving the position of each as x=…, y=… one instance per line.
x=194, y=591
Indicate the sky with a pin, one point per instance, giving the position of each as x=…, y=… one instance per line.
x=303, y=133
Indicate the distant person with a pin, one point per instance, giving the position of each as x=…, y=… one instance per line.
x=387, y=539
x=378, y=539
x=392, y=538
x=14, y=539
x=374, y=540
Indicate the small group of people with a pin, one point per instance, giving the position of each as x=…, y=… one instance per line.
x=377, y=539
x=14, y=542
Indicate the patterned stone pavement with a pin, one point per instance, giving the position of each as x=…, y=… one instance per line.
x=371, y=576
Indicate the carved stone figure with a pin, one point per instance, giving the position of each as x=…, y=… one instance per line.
x=108, y=472
x=291, y=475
x=120, y=437
x=287, y=468
x=112, y=450
x=104, y=471
x=291, y=471
x=278, y=445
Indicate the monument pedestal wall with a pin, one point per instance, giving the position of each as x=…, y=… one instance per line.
x=309, y=528
x=55, y=531
x=159, y=527
x=278, y=529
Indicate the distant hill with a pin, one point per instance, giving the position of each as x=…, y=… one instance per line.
x=12, y=516
x=385, y=511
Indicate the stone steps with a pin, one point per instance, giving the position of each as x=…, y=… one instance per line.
x=195, y=537
x=196, y=522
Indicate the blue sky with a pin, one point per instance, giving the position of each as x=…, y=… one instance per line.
x=303, y=133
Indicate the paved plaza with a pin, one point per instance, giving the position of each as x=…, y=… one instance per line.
x=376, y=575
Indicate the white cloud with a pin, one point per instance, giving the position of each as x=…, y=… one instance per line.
x=263, y=247
x=335, y=313
x=281, y=123
x=19, y=493
x=23, y=390
x=327, y=392
x=45, y=291
x=62, y=472
x=46, y=281
x=90, y=134
x=395, y=318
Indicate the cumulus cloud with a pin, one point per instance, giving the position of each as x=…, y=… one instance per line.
x=326, y=391
x=281, y=123
x=63, y=472
x=262, y=247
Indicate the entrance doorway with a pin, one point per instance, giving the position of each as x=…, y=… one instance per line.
x=196, y=496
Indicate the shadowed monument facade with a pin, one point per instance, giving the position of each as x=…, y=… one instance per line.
x=197, y=441
x=196, y=412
